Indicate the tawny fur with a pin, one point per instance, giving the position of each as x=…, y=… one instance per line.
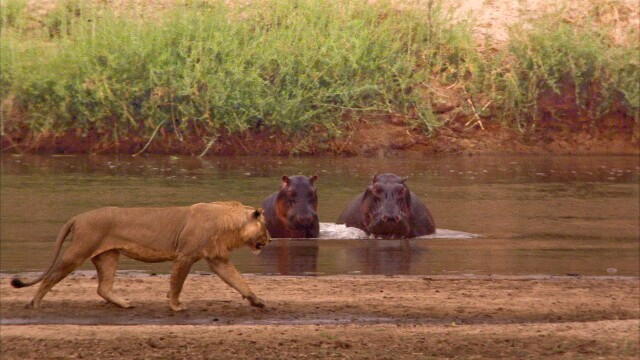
x=183, y=235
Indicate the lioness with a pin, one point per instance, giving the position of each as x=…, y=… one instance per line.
x=181, y=234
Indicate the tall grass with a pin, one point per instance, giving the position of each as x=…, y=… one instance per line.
x=291, y=65
x=553, y=56
x=284, y=64
x=13, y=13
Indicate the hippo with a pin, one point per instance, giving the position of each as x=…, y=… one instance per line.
x=387, y=209
x=291, y=212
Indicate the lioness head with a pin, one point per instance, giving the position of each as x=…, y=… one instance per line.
x=255, y=232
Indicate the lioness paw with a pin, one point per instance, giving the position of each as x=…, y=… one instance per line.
x=178, y=307
x=257, y=302
x=126, y=305
x=32, y=305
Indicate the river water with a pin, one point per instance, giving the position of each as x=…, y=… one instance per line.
x=503, y=215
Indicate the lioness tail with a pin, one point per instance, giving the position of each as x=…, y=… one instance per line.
x=62, y=235
x=17, y=283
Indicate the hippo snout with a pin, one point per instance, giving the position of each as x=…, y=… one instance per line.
x=389, y=225
x=390, y=218
x=304, y=220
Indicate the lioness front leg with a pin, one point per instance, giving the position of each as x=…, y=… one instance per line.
x=179, y=273
x=229, y=274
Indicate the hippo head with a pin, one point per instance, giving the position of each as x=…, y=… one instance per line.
x=298, y=203
x=389, y=206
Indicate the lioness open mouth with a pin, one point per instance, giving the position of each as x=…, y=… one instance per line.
x=257, y=248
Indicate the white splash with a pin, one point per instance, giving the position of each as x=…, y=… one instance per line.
x=450, y=234
x=341, y=231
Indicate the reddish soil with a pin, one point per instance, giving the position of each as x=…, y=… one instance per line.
x=363, y=317
x=617, y=135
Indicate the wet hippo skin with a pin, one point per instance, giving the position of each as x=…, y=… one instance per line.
x=388, y=209
x=291, y=212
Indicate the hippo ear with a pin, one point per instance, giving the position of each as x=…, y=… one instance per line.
x=375, y=189
x=375, y=178
x=313, y=179
x=402, y=181
x=285, y=180
x=256, y=214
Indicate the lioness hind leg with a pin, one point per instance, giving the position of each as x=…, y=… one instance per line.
x=106, y=264
x=68, y=263
x=179, y=273
x=229, y=274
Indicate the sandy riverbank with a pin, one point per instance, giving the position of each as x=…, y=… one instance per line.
x=374, y=317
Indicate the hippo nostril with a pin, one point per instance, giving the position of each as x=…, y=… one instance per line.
x=305, y=220
x=397, y=218
x=385, y=218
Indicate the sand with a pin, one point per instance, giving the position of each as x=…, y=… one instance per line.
x=350, y=317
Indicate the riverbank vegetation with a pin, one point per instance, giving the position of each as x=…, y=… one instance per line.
x=304, y=69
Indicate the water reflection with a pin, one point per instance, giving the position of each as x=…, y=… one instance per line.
x=387, y=257
x=291, y=257
x=371, y=256
x=549, y=215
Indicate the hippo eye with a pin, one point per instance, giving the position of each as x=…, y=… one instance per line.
x=377, y=190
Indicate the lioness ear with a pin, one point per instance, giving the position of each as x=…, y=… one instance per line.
x=257, y=213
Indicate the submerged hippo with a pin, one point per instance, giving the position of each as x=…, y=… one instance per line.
x=388, y=209
x=291, y=212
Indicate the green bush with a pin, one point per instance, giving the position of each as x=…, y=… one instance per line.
x=286, y=64
x=12, y=14
x=554, y=55
x=292, y=65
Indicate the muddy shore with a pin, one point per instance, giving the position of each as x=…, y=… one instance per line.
x=364, y=317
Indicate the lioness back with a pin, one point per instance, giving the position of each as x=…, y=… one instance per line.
x=148, y=223
x=156, y=234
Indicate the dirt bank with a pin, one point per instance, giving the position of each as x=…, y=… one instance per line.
x=375, y=317
x=366, y=137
